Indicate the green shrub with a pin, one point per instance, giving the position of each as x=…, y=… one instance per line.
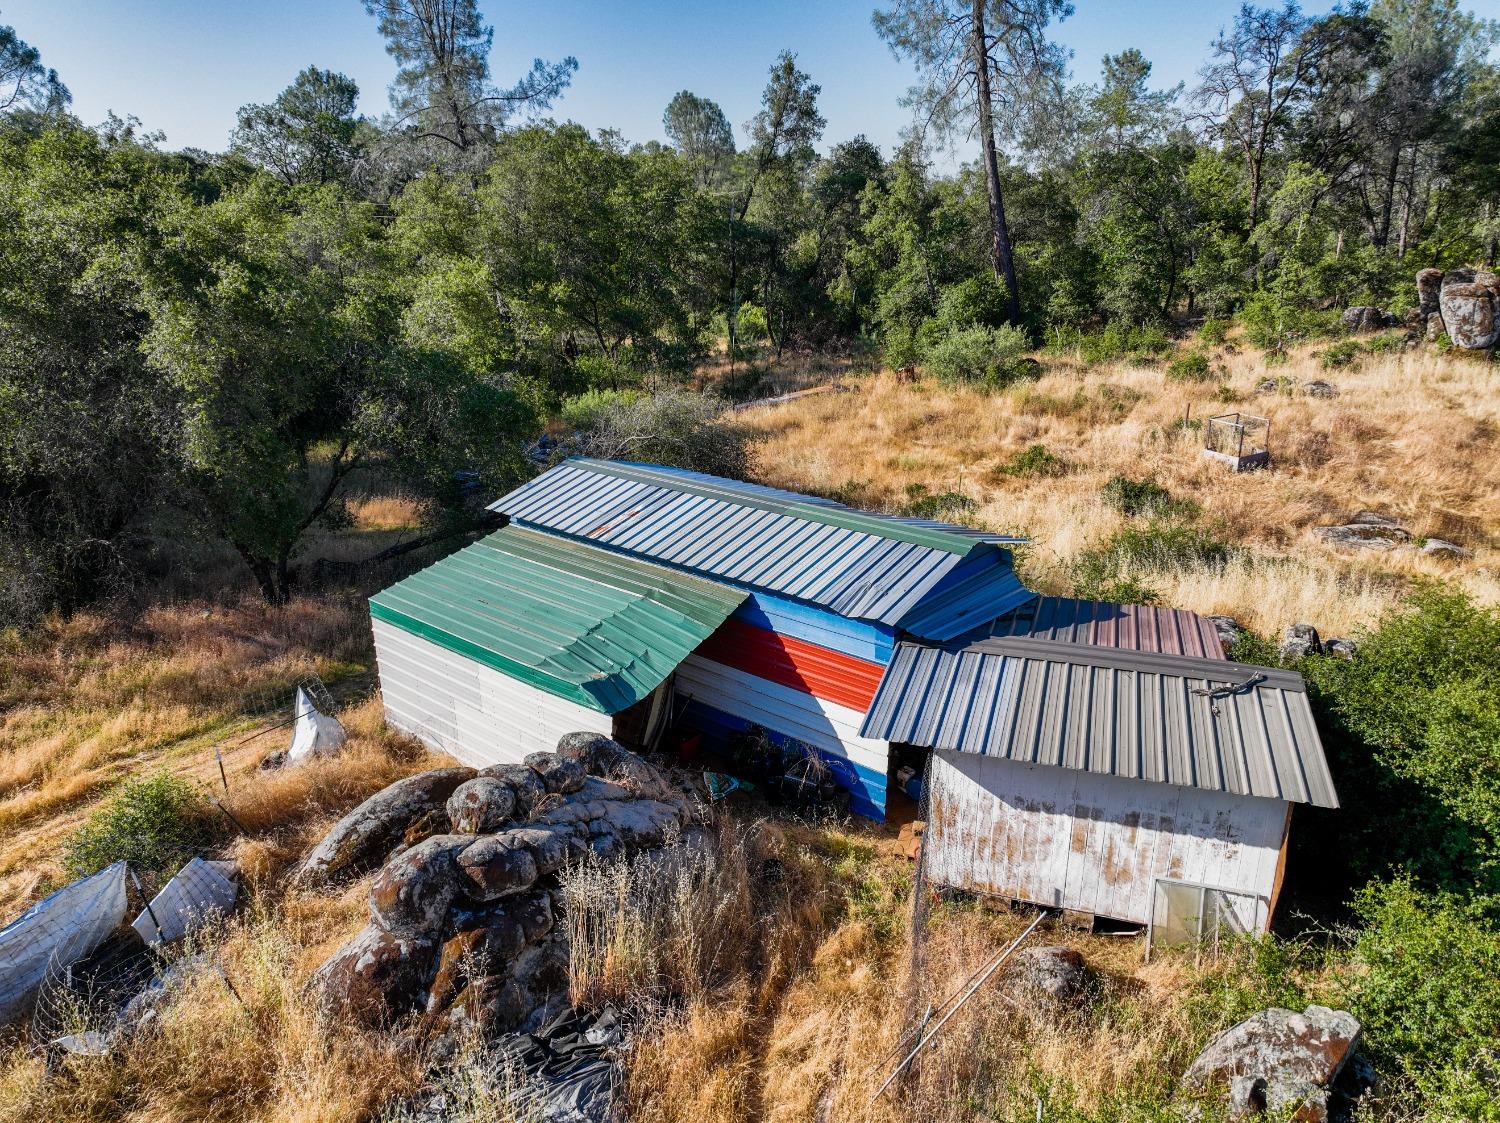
x=1133, y=497
x=1345, y=353
x=945, y=506
x=1213, y=332
x=1112, y=572
x=1190, y=366
x=1386, y=343
x=984, y=355
x=156, y=824
x=1035, y=462
x=1274, y=325
x=678, y=428
x=1424, y=987
x=1115, y=341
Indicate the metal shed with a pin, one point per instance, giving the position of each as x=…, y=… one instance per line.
x=499, y=649
x=1082, y=776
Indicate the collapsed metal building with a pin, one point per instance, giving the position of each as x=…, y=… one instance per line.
x=1078, y=753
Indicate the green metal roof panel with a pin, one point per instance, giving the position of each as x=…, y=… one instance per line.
x=577, y=621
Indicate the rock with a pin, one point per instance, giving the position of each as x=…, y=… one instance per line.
x=1469, y=301
x=559, y=775
x=1429, y=285
x=1344, y=648
x=1318, y=388
x=1442, y=548
x=551, y=847
x=1368, y=530
x=475, y=953
x=1277, y=1061
x=1435, y=329
x=376, y=977
x=1300, y=640
x=481, y=805
x=1267, y=386
x=1057, y=974
x=525, y=785
x=1228, y=629
x=411, y=895
x=367, y=833
x=1363, y=317
x=495, y=867
x=534, y=915
x=597, y=753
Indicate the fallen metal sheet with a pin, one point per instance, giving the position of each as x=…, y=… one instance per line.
x=200, y=891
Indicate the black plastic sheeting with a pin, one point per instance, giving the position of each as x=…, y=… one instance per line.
x=569, y=1066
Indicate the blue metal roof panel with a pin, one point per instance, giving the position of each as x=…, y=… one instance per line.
x=860, y=565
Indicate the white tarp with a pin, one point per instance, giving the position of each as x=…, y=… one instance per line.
x=199, y=891
x=61, y=928
x=315, y=734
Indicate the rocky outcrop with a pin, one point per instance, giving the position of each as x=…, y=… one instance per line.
x=1363, y=318
x=1277, y=1061
x=1429, y=285
x=1228, y=629
x=463, y=921
x=1469, y=301
x=1368, y=530
x=1442, y=548
x=1300, y=640
x=1320, y=388
x=367, y=834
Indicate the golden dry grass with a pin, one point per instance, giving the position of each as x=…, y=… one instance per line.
x=1415, y=434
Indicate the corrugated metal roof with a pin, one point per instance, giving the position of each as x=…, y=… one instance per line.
x=1173, y=631
x=579, y=622
x=1136, y=714
x=857, y=564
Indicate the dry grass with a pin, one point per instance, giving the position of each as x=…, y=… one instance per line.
x=1416, y=434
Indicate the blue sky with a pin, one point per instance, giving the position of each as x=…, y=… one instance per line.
x=185, y=66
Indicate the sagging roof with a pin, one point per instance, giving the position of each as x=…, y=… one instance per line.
x=1144, y=715
x=865, y=566
x=571, y=619
x=1172, y=631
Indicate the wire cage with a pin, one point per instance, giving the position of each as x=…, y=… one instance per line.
x=1241, y=440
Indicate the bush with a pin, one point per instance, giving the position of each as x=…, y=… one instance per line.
x=983, y=355
x=1035, y=462
x=1116, y=341
x=1213, y=332
x=1190, y=366
x=677, y=428
x=1386, y=343
x=1274, y=325
x=1424, y=987
x=1112, y=572
x=1133, y=497
x=156, y=824
x=944, y=506
x=1344, y=353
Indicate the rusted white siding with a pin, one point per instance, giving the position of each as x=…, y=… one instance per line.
x=1094, y=843
x=463, y=708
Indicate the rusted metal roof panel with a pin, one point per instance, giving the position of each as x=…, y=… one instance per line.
x=1175, y=719
x=857, y=564
x=1173, y=631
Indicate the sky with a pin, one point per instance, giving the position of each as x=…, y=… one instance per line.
x=184, y=66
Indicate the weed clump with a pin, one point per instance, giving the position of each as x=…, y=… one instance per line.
x=1035, y=462
x=942, y=506
x=1132, y=498
x=1190, y=366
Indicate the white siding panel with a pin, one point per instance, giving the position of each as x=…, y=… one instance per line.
x=473, y=712
x=822, y=724
x=1094, y=843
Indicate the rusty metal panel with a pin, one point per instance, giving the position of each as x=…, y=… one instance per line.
x=1093, y=843
x=1170, y=631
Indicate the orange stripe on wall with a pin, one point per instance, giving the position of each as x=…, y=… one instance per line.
x=830, y=675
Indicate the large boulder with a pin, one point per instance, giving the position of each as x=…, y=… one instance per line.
x=608, y=759
x=1469, y=301
x=1300, y=640
x=525, y=785
x=376, y=977
x=411, y=895
x=558, y=774
x=1429, y=285
x=1442, y=548
x=1278, y=1061
x=1368, y=530
x=1363, y=318
x=368, y=833
x=1053, y=974
x=496, y=866
x=481, y=805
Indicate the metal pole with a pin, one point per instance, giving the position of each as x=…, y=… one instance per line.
x=149, y=911
x=973, y=987
x=219, y=757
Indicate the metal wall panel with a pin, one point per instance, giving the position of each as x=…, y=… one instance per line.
x=471, y=712
x=809, y=667
x=1093, y=843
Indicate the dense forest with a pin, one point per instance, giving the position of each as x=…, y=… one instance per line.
x=228, y=338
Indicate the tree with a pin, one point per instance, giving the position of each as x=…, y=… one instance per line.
x=24, y=82
x=1251, y=85
x=308, y=134
x=701, y=134
x=276, y=322
x=442, y=90
x=985, y=66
